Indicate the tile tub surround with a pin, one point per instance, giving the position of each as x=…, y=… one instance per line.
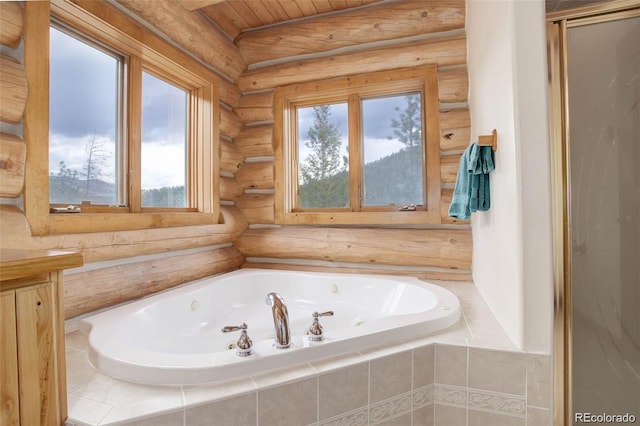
x=470, y=374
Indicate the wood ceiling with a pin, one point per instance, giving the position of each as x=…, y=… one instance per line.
x=235, y=16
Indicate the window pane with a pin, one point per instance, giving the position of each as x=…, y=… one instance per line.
x=393, y=171
x=83, y=123
x=323, y=176
x=164, y=143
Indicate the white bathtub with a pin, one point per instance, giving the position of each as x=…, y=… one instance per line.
x=175, y=338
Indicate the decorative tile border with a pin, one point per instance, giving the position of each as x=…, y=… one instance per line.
x=495, y=402
x=359, y=417
x=423, y=396
x=389, y=408
x=450, y=395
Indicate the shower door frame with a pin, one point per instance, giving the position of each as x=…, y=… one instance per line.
x=558, y=88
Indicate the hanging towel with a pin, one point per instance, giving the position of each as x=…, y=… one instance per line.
x=460, y=203
x=472, y=190
x=485, y=167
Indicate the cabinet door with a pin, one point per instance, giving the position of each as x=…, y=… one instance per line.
x=9, y=407
x=35, y=309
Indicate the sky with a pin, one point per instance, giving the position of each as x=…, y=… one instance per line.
x=84, y=86
x=377, y=117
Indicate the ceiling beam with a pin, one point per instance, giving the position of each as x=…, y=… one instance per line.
x=192, y=32
x=198, y=4
x=378, y=22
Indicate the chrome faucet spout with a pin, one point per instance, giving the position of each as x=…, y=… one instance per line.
x=280, y=320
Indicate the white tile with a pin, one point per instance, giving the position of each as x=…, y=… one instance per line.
x=200, y=394
x=85, y=411
x=121, y=394
x=326, y=365
x=283, y=375
x=140, y=410
x=385, y=350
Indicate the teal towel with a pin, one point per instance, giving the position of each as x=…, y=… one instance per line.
x=460, y=203
x=482, y=169
x=472, y=191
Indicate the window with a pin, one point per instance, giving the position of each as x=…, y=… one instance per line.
x=359, y=150
x=132, y=138
x=85, y=118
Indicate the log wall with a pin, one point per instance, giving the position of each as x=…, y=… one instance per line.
x=130, y=264
x=308, y=51
x=119, y=266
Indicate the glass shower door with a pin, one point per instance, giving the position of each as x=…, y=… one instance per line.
x=604, y=148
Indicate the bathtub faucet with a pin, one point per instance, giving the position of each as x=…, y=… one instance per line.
x=280, y=320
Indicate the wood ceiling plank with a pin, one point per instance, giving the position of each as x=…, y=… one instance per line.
x=198, y=4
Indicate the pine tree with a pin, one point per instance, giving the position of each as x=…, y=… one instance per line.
x=324, y=169
x=408, y=129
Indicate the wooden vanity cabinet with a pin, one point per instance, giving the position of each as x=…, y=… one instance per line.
x=32, y=352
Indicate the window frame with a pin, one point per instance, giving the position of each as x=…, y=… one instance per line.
x=354, y=89
x=144, y=51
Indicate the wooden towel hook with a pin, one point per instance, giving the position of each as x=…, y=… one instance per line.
x=489, y=140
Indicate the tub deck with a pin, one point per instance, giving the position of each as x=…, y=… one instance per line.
x=97, y=399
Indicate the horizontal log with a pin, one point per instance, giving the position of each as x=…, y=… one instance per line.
x=449, y=168
x=229, y=93
x=13, y=153
x=11, y=23
x=453, y=85
x=257, y=100
x=457, y=275
x=438, y=51
x=13, y=90
x=256, y=141
x=230, y=123
x=231, y=158
x=229, y=189
x=445, y=201
x=381, y=22
x=257, y=208
x=191, y=31
x=254, y=114
x=101, y=246
x=255, y=107
x=88, y=291
x=442, y=248
x=455, y=129
x=256, y=175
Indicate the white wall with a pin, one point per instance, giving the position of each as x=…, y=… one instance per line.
x=512, y=259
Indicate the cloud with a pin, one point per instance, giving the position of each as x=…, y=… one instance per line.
x=163, y=164
x=73, y=151
x=83, y=93
x=379, y=139
x=83, y=105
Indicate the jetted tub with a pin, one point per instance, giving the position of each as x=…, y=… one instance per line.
x=175, y=337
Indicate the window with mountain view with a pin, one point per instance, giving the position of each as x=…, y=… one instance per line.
x=84, y=122
x=90, y=150
x=127, y=133
x=359, y=150
x=393, y=172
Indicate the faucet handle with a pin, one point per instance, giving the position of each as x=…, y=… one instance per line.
x=228, y=328
x=244, y=343
x=315, y=331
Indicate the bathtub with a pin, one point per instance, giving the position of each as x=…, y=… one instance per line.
x=175, y=337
